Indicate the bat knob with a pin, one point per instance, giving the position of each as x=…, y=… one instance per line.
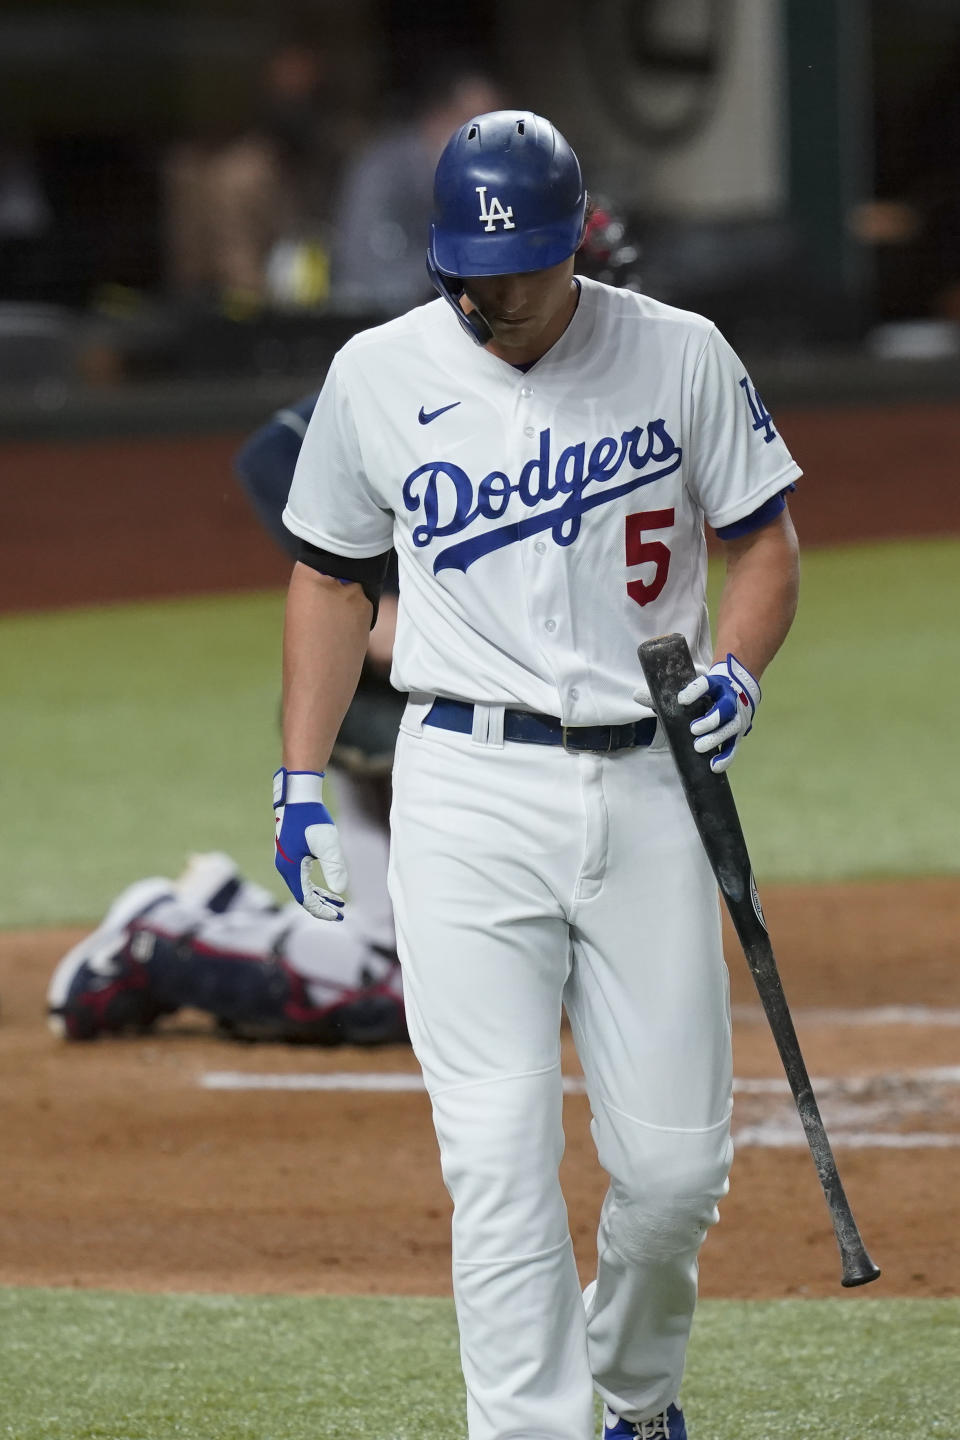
x=859, y=1270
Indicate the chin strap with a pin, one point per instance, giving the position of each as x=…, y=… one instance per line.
x=451, y=288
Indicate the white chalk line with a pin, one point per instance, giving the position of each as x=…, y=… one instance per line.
x=853, y=1085
x=349, y=1081
x=854, y=1097
x=358, y=1082
x=784, y=1137
x=878, y=1015
x=387, y=1082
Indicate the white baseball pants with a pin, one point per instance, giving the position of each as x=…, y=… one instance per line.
x=523, y=879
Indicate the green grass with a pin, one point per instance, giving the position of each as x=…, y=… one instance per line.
x=852, y=768
x=87, y=1365
x=135, y=734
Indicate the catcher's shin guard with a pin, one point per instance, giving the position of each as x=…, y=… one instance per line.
x=256, y=996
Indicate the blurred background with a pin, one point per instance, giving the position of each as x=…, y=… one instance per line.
x=200, y=202
x=228, y=187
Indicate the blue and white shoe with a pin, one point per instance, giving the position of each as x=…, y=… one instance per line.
x=668, y=1425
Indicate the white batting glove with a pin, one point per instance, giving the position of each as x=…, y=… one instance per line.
x=736, y=695
x=307, y=835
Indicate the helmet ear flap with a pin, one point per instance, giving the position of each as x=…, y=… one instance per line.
x=475, y=323
x=588, y=209
x=451, y=289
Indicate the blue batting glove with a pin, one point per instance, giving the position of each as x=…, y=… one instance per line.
x=306, y=834
x=735, y=694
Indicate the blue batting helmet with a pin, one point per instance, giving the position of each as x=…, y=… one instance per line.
x=508, y=197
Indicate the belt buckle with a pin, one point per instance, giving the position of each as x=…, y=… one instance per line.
x=565, y=732
x=573, y=749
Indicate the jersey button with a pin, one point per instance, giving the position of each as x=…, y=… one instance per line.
x=549, y=626
x=525, y=392
x=541, y=547
x=574, y=693
x=529, y=430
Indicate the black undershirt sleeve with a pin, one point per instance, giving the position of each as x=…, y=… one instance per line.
x=366, y=571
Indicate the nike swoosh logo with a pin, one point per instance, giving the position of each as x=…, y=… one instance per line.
x=425, y=418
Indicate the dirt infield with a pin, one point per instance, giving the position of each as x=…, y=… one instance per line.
x=122, y=1170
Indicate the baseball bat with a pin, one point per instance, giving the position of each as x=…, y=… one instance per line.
x=667, y=668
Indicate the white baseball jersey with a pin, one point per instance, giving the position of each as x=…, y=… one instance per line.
x=546, y=522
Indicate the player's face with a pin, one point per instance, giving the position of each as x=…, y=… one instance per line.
x=527, y=313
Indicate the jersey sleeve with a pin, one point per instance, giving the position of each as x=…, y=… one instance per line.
x=265, y=466
x=332, y=504
x=739, y=458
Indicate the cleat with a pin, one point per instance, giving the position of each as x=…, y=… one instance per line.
x=668, y=1425
x=101, y=986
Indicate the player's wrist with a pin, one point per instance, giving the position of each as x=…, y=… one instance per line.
x=734, y=670
x=298, y=787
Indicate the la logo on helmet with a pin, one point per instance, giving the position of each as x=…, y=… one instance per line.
x=494, y=212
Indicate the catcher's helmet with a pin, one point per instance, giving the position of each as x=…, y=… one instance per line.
x=508, y=198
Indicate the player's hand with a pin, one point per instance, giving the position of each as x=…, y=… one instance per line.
x=306, y=834
x=735, y=694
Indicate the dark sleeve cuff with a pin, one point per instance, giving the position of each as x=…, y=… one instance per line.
x=366, y=571
x=766, y=512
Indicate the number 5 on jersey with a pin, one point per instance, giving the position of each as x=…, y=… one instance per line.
x=641, y=551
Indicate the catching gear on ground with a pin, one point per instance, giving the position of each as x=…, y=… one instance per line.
x=261, y=972
x=508, y=198
x=99, y=987
x=306, y=833
x=735, y=694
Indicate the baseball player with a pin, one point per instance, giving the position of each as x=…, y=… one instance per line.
x=543, y=453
